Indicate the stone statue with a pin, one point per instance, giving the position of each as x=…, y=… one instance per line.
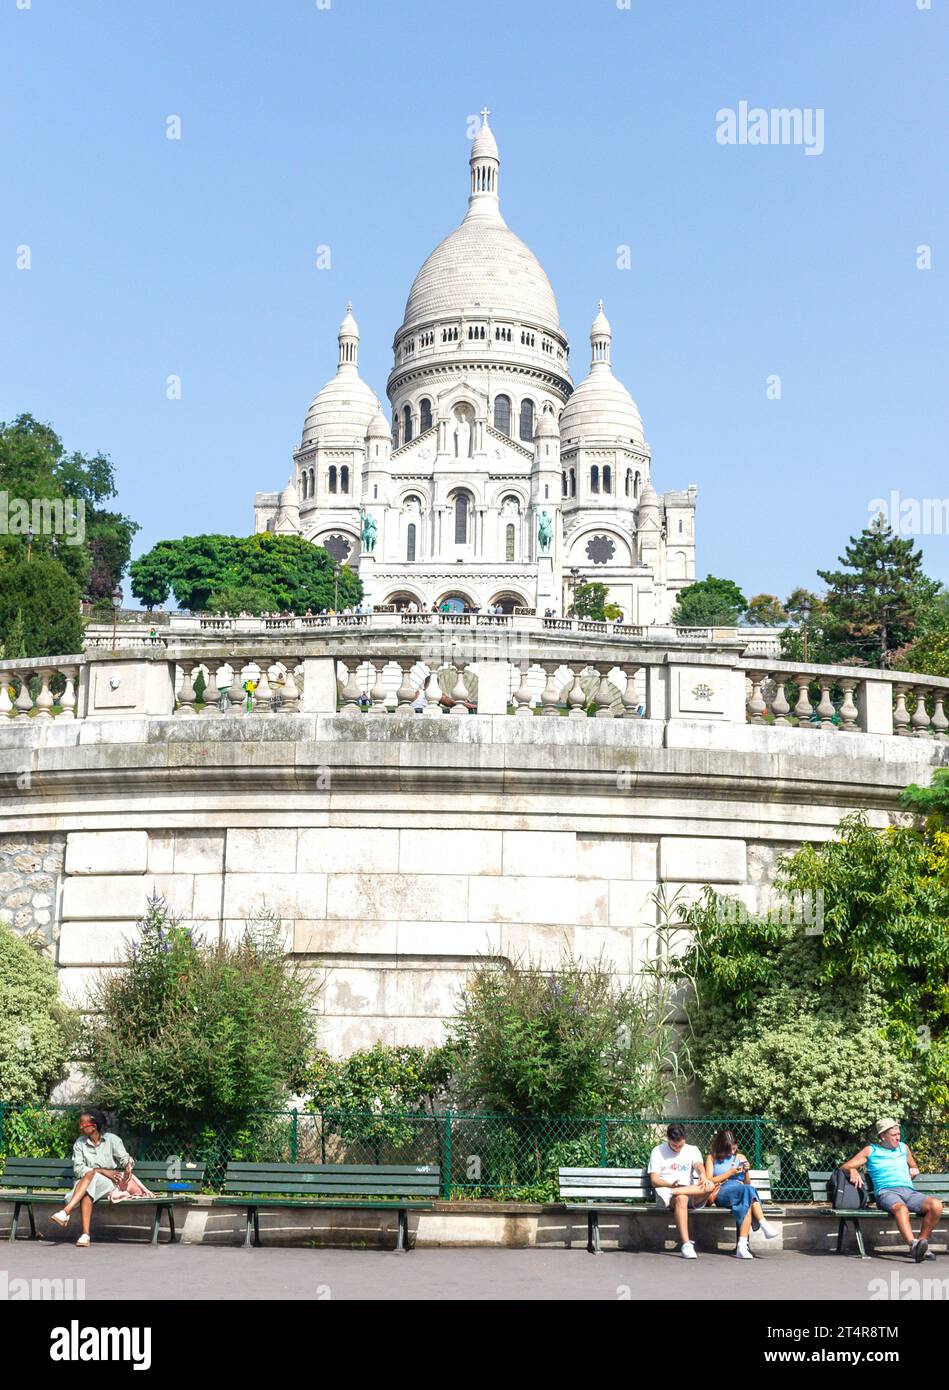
x=368, y=531
x=463, y=438
x=545, y=533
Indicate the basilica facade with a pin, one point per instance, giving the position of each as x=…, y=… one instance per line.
x=495, y=481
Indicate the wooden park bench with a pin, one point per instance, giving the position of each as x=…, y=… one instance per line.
x=333, y=1186
x=31, y=1182
x=932, y=1184
x=622, y=1189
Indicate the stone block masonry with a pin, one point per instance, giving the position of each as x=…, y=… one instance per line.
x=31, y=875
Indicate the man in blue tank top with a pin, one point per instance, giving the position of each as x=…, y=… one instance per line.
x=892, y=1168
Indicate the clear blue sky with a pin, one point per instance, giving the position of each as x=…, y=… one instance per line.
x=346, y=126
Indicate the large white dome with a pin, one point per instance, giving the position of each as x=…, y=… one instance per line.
x=482, y=263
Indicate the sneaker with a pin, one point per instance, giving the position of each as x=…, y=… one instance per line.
x=768, y=1231
x=84, y=1241
x=742, y=1252
x=61, y=1218
x=919, y=1250
x=689, y=1251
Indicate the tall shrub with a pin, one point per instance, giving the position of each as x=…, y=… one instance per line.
x=194, y=1036
x=37, y=1031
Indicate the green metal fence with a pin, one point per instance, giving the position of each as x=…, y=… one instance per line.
x=480, y=1156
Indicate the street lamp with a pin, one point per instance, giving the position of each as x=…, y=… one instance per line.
x=575, y=576
x=116, y=605
x=805, y=615
x=336, y=568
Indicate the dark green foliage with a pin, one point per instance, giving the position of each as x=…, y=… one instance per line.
x=570, y=1041
x=710, y=602
x=39, y=608
x=276, y=572
x=37, y=1031
x=195, y=1035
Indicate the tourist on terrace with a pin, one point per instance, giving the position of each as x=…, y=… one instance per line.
x=102, y=1167
x=677, y=1174
x=892, y=1168
x=727, y=1170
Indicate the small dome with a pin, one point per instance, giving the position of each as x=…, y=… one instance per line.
x=602, y=409
x=649, y=497
x=485, y=146
x=546, y=426
x=288, y=498
x=378, y=427
x=349, y=327
x=341, y=411
x=601, y=324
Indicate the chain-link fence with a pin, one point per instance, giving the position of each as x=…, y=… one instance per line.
x=495, y=1157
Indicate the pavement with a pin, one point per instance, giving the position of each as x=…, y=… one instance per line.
x=113, y=1270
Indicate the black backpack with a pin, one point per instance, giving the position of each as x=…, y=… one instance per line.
x=845, y=1195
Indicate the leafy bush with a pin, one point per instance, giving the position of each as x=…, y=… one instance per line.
x=371, y=1096
x=37, y=1031
x=570, y=1041
x=29, y=1133
x=194, y=1036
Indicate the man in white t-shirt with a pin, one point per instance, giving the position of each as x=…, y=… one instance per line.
x=677, y=1174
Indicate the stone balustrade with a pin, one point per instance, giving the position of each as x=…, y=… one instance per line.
x=42, y=688
x=845, y=699
x=483, y=669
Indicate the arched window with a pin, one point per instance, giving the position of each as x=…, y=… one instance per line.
x=332, y=477
x=573, y=482
x=303, y=485
x=509, y=543
x=461, y=519
x=502, y=415
x=595, y=478
x=607, y=478
x=406, y=424
x=344, y=478
x=425, y=415
x=312, y=483
x=395, y=431
x=564, y=478
x=527, y=421
x=629, y=482
x=636, y=484
x=410, y=542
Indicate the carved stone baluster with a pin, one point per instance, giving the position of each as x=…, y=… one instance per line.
x=290, y=695
x=630, y=698
x=848, y=710
x=901, y=722
x=433, y=694
x=779, y=701
x=803, y=709
x=459, y=691
x=406, y=694
x=67, y=700
x=378, y=693
x=263, y=693
x=187, y=694
x=576, y=696
x=825, y=706
x=920, y=720
x=236, y=694
x=940, y=722
x=603, y=698
x=212, y=694
x=44, y=698
x=6, y=704
x=350, y=693
x=756, y=706
x=550, y=696
x=522, y=695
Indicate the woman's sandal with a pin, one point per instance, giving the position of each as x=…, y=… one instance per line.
x=60, y=1217
x=84, y=1241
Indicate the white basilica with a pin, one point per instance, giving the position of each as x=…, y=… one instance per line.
x=497, y=482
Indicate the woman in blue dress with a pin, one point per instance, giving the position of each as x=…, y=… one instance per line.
x=728, y=1169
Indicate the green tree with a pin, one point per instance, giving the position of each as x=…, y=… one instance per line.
x=37, y=1031
x=805, y=610
x=281, y=571
x=872, y=604
x=570, y=1041
x=590, y=601
x=764, y=610
x=39, y=607
x=152, y=574
x=710, y=602
x=191, y=1036
x=34, y=465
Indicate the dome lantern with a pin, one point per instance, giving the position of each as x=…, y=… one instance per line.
x=483, y=200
